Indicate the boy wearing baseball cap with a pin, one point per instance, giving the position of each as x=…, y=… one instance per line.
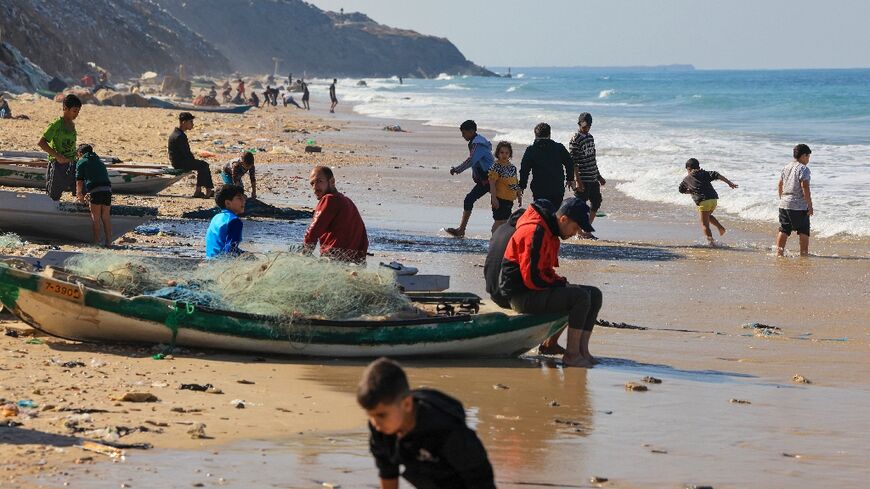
x=529, y=281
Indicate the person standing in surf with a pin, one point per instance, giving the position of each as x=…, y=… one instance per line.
x=795, y=201
x=480, y=161
x=332, y=97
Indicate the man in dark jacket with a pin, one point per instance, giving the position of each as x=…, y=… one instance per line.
x=550, y=165
x=182, y=158
x=423, y=430
x=528, y=281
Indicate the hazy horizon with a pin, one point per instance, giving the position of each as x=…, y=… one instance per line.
x=738, y=35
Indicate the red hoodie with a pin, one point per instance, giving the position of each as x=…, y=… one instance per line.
x=339, y=228
x=532, y=254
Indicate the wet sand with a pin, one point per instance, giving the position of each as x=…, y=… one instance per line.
x=694, y=301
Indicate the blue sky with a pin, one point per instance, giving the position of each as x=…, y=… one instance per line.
x=709, y=34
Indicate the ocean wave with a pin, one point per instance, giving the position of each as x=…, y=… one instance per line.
x=443, y=76
x=520, y=75
x=453, y=86
x=606, y=93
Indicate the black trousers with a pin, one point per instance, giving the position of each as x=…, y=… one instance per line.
x=580, y=302
x=59, y=177
x=203, y=174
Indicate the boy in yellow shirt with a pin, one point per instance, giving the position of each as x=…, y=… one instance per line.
x=503, y=185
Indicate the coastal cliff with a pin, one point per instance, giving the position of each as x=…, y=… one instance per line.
x=306, y=39
x=126, y=37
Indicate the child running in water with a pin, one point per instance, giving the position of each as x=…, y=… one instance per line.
x=698, y=183
x=503, y=185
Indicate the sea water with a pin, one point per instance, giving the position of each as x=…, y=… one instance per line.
x=647, y=122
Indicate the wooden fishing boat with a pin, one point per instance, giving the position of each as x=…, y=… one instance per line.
x=125, y=178
x=223, y=109
x=77, y=308
x=35, y=214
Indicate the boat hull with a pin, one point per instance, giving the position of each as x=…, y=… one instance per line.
x=88, y=315
x=165, y=104
x=32, y=214
x=141, y=182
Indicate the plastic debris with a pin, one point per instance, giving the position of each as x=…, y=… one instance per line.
x=195, y=387
x=238, y=403
x=26, y=403
x=800, y=379
x=651, y=380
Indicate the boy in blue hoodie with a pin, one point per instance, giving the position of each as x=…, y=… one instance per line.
x=225, y=230
x=422, y=430
x=480, y=161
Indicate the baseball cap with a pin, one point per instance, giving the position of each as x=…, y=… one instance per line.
x=185, y=116
x=577, y=210
x=585, y=117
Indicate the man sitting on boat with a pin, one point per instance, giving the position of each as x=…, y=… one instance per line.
x=225, y=230
x=182, y=158
x=527, y=279
x=337, y=224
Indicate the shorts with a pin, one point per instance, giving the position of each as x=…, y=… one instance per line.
x=101, y=198
x=591, y=193
x=792, y=220
x=708, y=205
x=504, y=210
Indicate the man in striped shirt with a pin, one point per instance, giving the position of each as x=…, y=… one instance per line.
x=589, y=181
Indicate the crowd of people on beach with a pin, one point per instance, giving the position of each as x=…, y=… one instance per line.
x=553, y=169
x=425, y=430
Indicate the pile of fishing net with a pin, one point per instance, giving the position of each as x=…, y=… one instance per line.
x=273, y=284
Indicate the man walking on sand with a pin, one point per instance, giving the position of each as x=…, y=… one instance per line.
x=550, y=165
x=589, y=180
x=332, y=97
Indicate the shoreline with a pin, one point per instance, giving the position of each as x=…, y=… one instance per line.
x=647, y=264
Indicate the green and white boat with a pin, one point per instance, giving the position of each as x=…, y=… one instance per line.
x=77, y=308
x=125, y=179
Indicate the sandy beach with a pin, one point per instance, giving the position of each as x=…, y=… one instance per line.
x=728, y=413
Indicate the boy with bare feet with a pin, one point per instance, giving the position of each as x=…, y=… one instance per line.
x=423, y=430
x=795, y=201
x=92, y=180
x=699, y=184
x=528, y=280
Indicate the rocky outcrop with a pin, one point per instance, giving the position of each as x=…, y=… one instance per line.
x=19, y=74
x=253, y=32
x=126, y=37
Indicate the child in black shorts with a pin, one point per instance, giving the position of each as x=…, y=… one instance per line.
x=503, y=185
x=423, y=430
x=93, y=178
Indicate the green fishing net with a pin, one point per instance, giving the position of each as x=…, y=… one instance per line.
x=285, y=284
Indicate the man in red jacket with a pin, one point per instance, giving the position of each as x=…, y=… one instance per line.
x=528, y=277
x=337, y=224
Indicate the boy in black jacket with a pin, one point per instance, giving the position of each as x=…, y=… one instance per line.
x=424, y=430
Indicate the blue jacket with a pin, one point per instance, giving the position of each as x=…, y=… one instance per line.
x=479, y=159
x=224, y=235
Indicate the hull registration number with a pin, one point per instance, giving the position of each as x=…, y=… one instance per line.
x=63, y=290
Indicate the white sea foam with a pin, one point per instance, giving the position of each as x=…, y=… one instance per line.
x=443, y=76
x=606, y=93
x=648, y=157
x=520, y=75
x=454, y=86
x=511, y=89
